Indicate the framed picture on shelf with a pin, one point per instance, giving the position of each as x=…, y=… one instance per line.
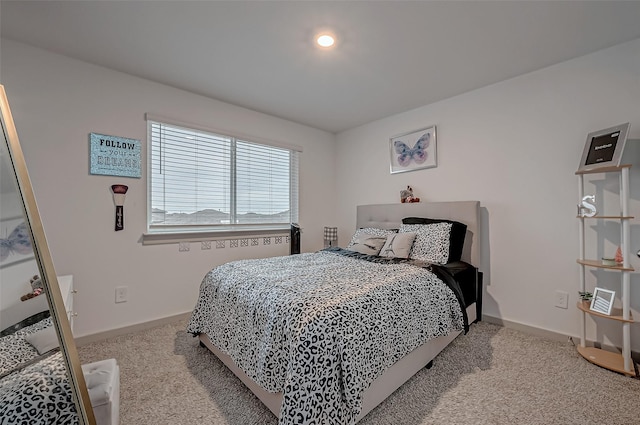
x=413, y=151
x=604, y=148
x=602, y=300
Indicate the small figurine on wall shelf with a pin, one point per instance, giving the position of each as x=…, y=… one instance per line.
x=406, y=195
x=619, y=258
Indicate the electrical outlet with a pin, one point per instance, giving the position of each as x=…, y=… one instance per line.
x=562, y=299
x=183, y=246
x=205, y=245
x=121, y=294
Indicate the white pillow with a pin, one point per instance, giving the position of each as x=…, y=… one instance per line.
x=44, y=340
x=371, y=231
x=368, y=244
x=431, y=243
x=398, y=245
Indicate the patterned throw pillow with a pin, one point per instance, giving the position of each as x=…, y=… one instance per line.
x=398, y=245
x=370, y=231
x=431, y=243
x=458, y=234
x=368, y=244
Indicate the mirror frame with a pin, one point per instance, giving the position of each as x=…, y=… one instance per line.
x=46, y=268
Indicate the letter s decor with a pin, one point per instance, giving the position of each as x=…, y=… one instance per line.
x=588, y=206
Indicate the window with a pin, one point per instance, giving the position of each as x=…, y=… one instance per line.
x=201, y=181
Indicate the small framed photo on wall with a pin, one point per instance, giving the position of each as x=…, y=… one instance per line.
x=413, y=151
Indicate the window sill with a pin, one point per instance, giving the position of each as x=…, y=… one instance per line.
x=159, y=237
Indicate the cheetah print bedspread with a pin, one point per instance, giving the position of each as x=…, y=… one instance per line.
x=38, y=394
x=321, y=327
x=15, y=350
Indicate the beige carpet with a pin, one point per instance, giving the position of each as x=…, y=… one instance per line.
x=492, y=376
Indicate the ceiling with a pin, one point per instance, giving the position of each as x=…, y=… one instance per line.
x=390, y=57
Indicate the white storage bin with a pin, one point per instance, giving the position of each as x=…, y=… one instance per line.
x=103, y=385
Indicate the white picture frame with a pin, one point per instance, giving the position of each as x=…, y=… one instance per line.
x=604, y=148
x=602, y=301
x=413, y=151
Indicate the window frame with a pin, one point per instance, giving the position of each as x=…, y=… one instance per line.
x=161, y=234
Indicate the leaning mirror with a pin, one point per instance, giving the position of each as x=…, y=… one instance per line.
x=41, y=380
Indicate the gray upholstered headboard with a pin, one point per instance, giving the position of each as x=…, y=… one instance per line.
x=389, y=216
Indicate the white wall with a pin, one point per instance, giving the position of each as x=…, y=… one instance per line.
x=515, y=146
x=56, y=102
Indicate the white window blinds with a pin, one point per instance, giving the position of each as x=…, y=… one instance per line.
x=199, y=178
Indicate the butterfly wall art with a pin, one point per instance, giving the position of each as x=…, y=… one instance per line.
x=413, y=151
x=15, y=242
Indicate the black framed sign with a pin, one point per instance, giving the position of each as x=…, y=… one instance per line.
x=604, y=148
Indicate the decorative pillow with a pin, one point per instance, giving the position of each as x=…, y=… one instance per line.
x=458, y=234
x=43, y=340
x=368, y=244
x=432, y=241
x=14, y=348
x=398, y=245
x=370, y=231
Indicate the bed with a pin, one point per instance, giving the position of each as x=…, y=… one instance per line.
x=325, y=337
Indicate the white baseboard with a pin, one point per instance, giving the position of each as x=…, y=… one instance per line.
x=87, y=339
x=555, y=336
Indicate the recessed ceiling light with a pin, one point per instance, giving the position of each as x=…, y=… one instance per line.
x=325, y=40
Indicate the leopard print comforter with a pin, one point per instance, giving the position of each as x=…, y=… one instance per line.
x=321, y=327
x=38, y=394
x=15, y=350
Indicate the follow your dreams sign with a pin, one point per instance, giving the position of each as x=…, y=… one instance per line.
x=114, y=156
